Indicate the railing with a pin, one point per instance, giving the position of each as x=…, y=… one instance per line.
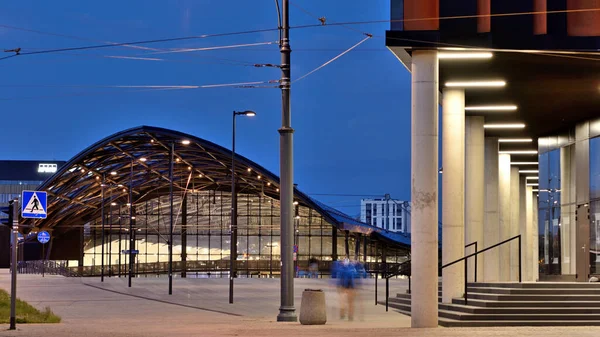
x=518, y=237
x=45, y=267
x=404, y=269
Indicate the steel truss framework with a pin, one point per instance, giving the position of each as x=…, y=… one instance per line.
x=128, y=174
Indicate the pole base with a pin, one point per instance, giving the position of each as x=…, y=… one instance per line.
x=287, y=314
x=13, y=324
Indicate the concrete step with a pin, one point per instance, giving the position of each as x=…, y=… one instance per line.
x=470, y=309
x=518, y=317
x=539, y=304
x=537, y=285
x=446, y=322
x=529, y=297
x=535, y=291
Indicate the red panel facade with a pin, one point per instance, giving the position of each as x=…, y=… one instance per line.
x=414, y=10
x=583, y=23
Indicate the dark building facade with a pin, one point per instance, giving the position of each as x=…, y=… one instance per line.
x=15, y=177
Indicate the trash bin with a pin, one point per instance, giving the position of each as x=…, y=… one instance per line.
x=313, y=309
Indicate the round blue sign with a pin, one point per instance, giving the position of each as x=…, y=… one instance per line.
x=43, y=237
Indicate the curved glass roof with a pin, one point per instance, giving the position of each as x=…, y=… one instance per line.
x=137, y=161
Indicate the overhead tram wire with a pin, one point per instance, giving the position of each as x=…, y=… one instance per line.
x=349, y=23
x=333, y=59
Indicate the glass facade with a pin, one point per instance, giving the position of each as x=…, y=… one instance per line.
x=549, y=213
x=204, y=237
x=595, y=205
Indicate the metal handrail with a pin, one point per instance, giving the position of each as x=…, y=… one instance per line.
x=465, y=258
x=399, y=272
x=518, y=237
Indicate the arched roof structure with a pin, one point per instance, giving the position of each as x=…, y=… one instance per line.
x=138, y=160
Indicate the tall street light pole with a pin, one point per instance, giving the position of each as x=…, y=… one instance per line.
x=287, y=312
x=233, y=230
x=171, y=155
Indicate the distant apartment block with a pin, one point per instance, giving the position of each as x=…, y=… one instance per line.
x=386, y=213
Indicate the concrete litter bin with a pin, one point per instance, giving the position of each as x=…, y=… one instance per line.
x=313, y=309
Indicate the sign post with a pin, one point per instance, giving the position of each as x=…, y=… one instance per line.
x=14, y=223
x=43, y=237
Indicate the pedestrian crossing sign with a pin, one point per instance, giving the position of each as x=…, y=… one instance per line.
x=33, y=204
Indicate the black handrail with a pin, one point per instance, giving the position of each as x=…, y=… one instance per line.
x=465, y=258
x=399, y=270
x=482, y=251
x=467, y=246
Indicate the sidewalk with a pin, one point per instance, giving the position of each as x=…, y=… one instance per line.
x=200, y=307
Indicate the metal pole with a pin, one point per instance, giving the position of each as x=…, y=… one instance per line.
x=130, y=225
x=233, y=229
x=376, y=276
x=520, y=270
x=43, y=258
x=171, y=154
x=475, y=278
x=465, y=276
x=13, y=283
x=287, y=312
x=102, y=216
x=387, y=291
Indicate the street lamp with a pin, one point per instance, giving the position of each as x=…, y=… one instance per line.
x=233, y=230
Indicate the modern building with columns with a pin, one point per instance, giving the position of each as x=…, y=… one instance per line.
x=508, y=91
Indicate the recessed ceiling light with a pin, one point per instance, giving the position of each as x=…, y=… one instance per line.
x=518, y=152
x=143, y=159
x=532, y=178
x=466, y=55
x=504, y=126
x=476, y=84
x=491, y=108
x=523, y=162
x=532, y=184
x=113, y=173
x=535, y=190
x=515, y=140
x=529, y=171
x=185, y=142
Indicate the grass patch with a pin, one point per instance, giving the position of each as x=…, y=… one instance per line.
x=25, y=312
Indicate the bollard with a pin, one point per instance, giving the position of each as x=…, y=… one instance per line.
x=312, y=308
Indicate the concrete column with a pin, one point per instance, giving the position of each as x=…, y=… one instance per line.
x=424, y=188
x=515, y=205
x=523, y=225
x=453, y=192
x=582, y=198
x=491, y=230
x=536, y=240
x=504, y=216
x=528, y=235
x=568, y=228
x=474, y=192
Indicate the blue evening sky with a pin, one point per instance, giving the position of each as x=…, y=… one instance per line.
x=352, y=118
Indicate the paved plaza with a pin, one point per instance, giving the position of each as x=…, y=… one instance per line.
x=199, y=307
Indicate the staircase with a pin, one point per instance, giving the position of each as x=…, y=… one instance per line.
x=517, y=304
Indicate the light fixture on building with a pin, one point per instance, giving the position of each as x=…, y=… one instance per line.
x=151, y=140
x=529, y=171
x=249, y=169
x=519, y=152
x=277, y=190
x=119, y=185
x=189, y=168
x=113, y=204
x=177, y=160
x=476, y=84
x=185, y=142
x=143, y=159
x=532, y=178
x=128, y=204
x=97, y=178
x=532, y=184
x=113, y=173
x=295, y=203
x=515, y=140
x=124, y=190
x=491, y=108
x=504, y=126
x=268, y=184
x=523, y=162
x=259, y=177
x=535, y=190
x=464, y=56
x=200, y=176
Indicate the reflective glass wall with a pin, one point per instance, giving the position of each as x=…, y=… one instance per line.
x=595, y=205
x=549, y=206
x=204, y=236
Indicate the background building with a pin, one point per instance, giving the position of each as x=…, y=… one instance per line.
x=386, y=213
x=16, y=176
